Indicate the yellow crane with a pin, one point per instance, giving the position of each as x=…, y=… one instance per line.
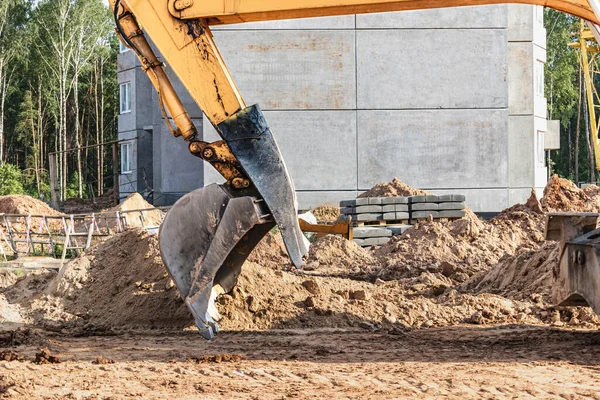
x=588, y=61
x=208, y=234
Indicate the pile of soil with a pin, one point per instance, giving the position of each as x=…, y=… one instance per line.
x=326, y=214
x=270, y=252
x=461, y=248
x=84, y=206
x=151, y=216
x=527, y=275
x=563, y=195
x=392, y=189
x=334, y=255
x=25, y=205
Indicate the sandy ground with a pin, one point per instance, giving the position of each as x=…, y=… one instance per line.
x=459, y=362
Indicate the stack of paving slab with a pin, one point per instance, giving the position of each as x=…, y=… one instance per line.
x=447, y=206
x=394, y=215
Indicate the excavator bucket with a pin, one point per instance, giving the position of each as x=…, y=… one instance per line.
x=208, y=234
x=204, y=240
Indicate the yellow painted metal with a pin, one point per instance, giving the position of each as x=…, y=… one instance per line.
x=343, y=228
x=189, y=49
x=588, y=52
x=155, y=71
x=236, y=11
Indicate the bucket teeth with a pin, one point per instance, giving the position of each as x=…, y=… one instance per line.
x=204, y=240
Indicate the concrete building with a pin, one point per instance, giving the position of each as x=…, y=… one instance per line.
x=448, y=100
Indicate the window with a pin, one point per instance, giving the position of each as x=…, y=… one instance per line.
x=126, y=157
x=125, y=94
x=122, y=47
x=538, y=76
x=540, y=148
x=539, y=14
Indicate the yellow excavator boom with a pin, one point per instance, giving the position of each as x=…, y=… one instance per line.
x=209, y=233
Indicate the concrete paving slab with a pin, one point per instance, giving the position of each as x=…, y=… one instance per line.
x=451, y=206
x=369, y=232
x=368, y=209
x=424, y=214
x=458, y=197
x=399, y=229
x=389, y=216
x=348, y=210
x=395, y=208
x=417, y=199
x=375, y=241
x=424, y=207
x=452, y=214
x=367, y=217
x=432, y=198
x=444, y=198
x=347, y=203
x=395, y=200
x=376, y=200
x=362, y=201
x=402, y=215
x=359, y=242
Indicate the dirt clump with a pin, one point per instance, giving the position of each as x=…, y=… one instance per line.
x=563, y=195
x=271, y=252
x=151, y=216
x=527, y=275
x=326, y=214
x=126, y=286
x=103, y=361
x=9, y=355
x=25, y=205
x=96, y=204
x=392, y=189
x=46, y=357
x=217, y=359
x=334, y=255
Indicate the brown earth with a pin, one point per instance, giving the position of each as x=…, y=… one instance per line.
x=149, y=217
x=394, y=188
x=459, y=309
x=84, y=206
x=326, y=214
x=25, y=205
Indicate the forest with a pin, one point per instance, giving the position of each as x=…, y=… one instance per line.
x=58, y=92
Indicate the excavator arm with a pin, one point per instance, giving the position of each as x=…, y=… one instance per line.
x=209, y=233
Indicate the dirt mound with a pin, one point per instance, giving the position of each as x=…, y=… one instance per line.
x=270, y=252
x=524, y=276
x=149, y=217
x=81, y=206
x=394, y=188
x=127, y=286
x=325, y=214
x=336, y=255
x=563, y=195
x=25, y=205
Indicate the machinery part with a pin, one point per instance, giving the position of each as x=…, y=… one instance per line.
x=253, y=145
x=204, y=240
x=235, y=12
x=578, y=271
x=343, y=228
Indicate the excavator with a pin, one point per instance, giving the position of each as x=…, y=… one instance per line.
x=208, y=234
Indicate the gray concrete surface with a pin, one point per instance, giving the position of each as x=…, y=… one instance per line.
x=443, y=99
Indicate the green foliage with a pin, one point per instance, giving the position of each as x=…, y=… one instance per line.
x=73, y=188
x=10, y=180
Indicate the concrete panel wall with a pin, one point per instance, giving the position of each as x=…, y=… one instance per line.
x=357, y=100
x=292, y=70
x=434, y=149
x=396, y=71
x=494, y=16
x=319, y=148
